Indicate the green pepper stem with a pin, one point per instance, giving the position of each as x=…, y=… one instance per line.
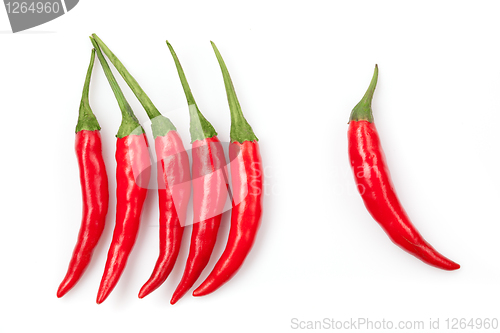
x=129, y=79
x=182, y=76
x=200, y=128
x=363, y=110
x=240, y=129
x=86, y=86
x=160, y=124
x=86, y=118
x=130, y=124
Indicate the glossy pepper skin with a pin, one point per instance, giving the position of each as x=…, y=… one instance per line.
x=247, y=188
x=133, y=170
x=174, y=190
x=209, y=196
x=94, y=184
x=375, y=186
x=132, y=176
x=174, y=187
x=209, y=181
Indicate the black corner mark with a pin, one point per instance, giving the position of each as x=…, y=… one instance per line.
x=70, y=4
x=26, y=14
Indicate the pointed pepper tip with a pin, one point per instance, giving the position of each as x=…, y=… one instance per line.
x=61, y=292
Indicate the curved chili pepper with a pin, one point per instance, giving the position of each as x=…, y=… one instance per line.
x=209, y=189
x=247, y=188
x=94, y=183
x=375, y=186
x=133, y=170
x=173, y=176
x=173, y=197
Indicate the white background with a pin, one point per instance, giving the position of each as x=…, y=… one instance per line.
x=298, y=70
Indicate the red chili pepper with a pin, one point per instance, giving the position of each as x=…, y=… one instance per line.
x=209, y=189
x=94, y=183
x=174, y=172
x=174, y=180
x=133, y=169
x=375, y=186
x=247, y=188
